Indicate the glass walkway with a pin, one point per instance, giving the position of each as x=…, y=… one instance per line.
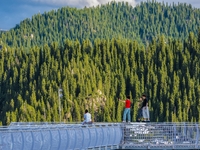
x=61, y=136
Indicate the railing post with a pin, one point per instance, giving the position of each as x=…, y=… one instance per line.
x=123, y=137
x=174, y=132
x=184, y=129
x=197, y=136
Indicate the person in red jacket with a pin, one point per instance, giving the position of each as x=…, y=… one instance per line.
x=127, y=111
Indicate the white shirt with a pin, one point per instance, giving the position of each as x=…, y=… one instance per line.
x=87, y=117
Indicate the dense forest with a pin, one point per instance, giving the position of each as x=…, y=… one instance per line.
x=114, y=20
x=135, y=51
x=95, y=76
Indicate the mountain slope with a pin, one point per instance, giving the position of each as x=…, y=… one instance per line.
x=113, y=20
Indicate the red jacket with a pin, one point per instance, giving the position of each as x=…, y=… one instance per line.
x=128, y=103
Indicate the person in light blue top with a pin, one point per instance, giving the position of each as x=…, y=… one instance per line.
x=87, y=118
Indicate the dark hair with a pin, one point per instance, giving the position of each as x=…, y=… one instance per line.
x=128, y=96
x=86, y=111
x=144, y=95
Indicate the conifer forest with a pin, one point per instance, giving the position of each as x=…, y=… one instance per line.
x=97, y=56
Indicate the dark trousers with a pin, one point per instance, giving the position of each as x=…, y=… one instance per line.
x=139, y=116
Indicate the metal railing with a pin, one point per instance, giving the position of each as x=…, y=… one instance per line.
x=60, y=136
x=161, y=136
x=45, y=135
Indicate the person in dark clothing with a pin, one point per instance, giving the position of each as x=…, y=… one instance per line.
x=140, y=116
x=145, y=108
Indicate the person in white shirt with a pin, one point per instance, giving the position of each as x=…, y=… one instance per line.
x=87, y=118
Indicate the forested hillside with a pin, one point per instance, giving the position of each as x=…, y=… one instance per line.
x=95, y=76
x=114, y=20
x=98, y=55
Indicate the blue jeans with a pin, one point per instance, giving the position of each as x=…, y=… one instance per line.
x=127, y=112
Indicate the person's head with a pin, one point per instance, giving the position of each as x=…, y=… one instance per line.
x=86, y=111
x=143, y=96
x=128, y=97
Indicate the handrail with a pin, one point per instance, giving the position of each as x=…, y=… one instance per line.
x=135, y=135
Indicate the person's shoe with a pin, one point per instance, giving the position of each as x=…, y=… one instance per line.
x=123, y=121
x=129, y=122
